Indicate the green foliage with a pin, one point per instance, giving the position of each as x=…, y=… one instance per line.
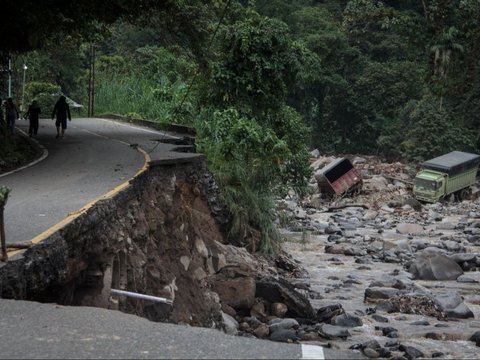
x=154, y=88
x=37, y=23
x=250, y=162
x=258, y=63
x=4, y=192
x=45, y=93
x=256, y=143
x=244, y=157
x=425, y=130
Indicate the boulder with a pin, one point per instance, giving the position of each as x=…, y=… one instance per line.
x=452, y=305
x=279, y=290
x=435, y=266
x=239, y=293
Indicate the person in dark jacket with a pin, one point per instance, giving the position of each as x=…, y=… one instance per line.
x=11, y=114
x=33, y=114
x=62, y=111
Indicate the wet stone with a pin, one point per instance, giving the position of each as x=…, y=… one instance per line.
x=276, y=324
x=326, y=313
x=347, y=320
x=476, y=338
x=452, y=305
x=378, y=293
x=380, y=318
x=420, y=323
x=435, y=266
x=388, y=331
x=411, y=352
x=407, y=228
x=370, y=353
x=261, y=331
x=433, y=336
x=452, y=246
x=283, y=335
x=331, y=332
x=391, y=343
x=466, y=280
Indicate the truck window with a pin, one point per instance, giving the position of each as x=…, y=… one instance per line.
x=427, y=184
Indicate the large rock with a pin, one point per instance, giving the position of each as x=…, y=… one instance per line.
x=279, y=290
x=374, y=294
x=435, y=266
x=238, y=293
x=452, y=305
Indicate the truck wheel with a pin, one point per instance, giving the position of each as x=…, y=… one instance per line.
x=464, y=194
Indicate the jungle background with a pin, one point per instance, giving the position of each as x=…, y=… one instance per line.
x=262, y=82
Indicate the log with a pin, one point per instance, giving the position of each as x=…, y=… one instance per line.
x=398, y=179
x=336, y=207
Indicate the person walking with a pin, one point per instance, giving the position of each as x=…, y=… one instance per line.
x=11, y=114
x=33, y=114
x=62, y=111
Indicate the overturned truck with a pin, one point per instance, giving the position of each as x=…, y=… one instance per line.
x=339, y=177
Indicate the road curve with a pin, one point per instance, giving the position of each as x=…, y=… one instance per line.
x=96, y=156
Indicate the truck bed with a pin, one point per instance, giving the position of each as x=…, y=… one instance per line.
x=453, y=163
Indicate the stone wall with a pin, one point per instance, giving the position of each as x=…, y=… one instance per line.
x=158, y=236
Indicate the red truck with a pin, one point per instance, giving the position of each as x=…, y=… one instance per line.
x=339, y=177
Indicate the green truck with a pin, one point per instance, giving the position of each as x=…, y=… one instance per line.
x=452, y=173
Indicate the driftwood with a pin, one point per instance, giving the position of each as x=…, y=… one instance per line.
x=336, y=207
x=398, y=179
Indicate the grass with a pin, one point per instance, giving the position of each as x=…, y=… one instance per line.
x=142, y=98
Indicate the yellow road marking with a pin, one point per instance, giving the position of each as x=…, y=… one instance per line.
x=73, y=215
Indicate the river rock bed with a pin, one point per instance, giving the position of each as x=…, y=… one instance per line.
x=387, y=276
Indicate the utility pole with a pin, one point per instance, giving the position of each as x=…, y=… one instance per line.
x=23, y=87
x=91, y=82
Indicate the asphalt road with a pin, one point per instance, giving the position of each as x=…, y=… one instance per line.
x=31, y=330
x=94, y=157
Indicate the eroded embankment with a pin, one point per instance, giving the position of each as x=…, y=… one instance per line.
x=157, y=236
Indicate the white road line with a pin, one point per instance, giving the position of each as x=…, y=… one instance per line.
x=135, y=127
x=41, y=158
x=312, y=352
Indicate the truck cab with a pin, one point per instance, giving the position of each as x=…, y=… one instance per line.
x=429, y=185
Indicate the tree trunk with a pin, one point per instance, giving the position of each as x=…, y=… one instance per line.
x=425, y=10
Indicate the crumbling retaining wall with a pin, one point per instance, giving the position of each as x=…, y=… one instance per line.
x=157, y=236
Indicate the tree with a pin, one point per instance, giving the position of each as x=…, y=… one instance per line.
x=430, y=131
x=254, y=142
x=443, y=50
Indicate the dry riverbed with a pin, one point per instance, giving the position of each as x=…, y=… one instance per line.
x=389, y=277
